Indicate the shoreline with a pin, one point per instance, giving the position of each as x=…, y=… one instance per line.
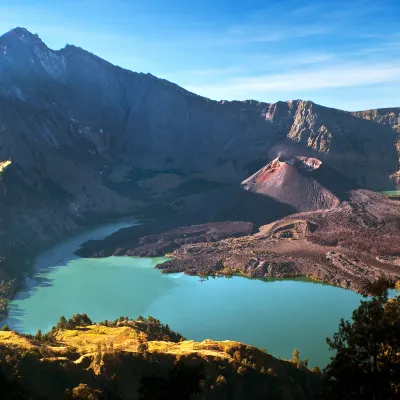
x=308, y=245
x=239, y=274
x=348, y=246
x=64, y=283
x=75, y=241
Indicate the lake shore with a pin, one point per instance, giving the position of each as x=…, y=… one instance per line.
x=259, y=312
x=48, y=257
x=347, y=246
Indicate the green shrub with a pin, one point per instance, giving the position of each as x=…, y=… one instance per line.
x=143, y=347
x=241, y=370
x=316, y=370
x=271, y=372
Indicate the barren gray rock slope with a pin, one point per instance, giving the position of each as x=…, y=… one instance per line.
x=69, y=121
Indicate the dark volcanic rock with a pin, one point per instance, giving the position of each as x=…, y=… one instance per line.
x=349, y=246
x=158, y=245
x=132, y=243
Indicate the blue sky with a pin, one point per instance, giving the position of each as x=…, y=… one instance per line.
x=343, y=54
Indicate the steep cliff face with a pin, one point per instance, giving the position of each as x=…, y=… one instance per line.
x=388, y=116
x=90, y=133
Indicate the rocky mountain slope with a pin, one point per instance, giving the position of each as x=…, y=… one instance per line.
x=143, y=359
x=88, y=140
x=154, y=124
x=390, y=116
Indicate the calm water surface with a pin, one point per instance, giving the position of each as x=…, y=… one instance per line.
x=279, y=315
x=392, y=192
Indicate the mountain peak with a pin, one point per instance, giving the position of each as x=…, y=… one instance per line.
x=23, y=35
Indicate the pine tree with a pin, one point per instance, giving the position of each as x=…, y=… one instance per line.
x=62, y=323
x=295, y=356
x=367, y=360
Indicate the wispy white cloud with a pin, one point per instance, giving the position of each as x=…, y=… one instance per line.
x=212, y=72
x=278, y=22
x=251, y=64
x=264, y=34
x=339, y=76
x=289, y=60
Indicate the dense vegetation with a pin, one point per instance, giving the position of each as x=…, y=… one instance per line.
x=366, y=364
x=6, y=291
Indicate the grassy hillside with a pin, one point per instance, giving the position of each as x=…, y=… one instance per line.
x=143, y=359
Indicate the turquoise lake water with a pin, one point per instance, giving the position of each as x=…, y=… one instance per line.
x=392, y=192
x=279, y=315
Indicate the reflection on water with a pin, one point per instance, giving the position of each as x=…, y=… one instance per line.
x=51, y=260
x=279, y=315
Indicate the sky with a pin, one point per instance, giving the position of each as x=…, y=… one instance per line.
x=342, y=54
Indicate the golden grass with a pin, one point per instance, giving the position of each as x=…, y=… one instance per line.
x=207, y=348
x=11, y=338
x=91, y=348
x=86, y=341
x=4, y=165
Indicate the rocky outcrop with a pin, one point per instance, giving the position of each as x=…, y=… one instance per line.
x=135, y=242
x=390, y=116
